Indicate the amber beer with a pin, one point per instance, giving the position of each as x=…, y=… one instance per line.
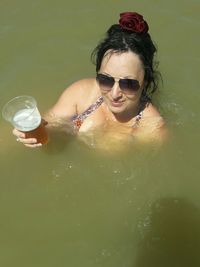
x=39, y=133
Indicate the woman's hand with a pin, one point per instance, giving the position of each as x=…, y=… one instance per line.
x=28, y=142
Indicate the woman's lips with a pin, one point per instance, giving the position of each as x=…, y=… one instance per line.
x=116, y=104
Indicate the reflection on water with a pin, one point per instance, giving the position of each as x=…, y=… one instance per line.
x=69, y=204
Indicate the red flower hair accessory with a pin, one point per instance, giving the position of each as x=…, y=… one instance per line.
x=134, y=22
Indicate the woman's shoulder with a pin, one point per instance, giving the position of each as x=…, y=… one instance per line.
x=79, y=95
x=80, y=92
x=153, y=124
x=150, y=113
x=75, y=97
x=83, y=93
x=83, y=87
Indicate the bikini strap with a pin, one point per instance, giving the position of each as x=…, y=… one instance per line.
x=137, y=119
x=78, y=119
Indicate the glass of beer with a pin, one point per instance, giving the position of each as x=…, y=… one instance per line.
x=23, y=114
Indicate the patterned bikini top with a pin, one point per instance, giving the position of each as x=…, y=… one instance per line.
x=78, y=119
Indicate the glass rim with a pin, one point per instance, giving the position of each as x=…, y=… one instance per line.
x=15, y=98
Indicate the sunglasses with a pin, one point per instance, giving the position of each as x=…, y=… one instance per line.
x=106, y=83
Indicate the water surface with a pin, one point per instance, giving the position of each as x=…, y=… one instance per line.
x=69, y=204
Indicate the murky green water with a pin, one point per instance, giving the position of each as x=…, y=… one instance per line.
x=70, y=205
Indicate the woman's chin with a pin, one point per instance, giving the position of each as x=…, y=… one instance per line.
x=116, y=109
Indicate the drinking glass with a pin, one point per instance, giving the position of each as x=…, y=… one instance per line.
x=23, y=114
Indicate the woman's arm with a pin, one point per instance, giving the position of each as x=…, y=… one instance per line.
x=57, y=117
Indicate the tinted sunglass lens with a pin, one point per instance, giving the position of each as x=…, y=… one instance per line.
x=105, y=81
x=129, y=84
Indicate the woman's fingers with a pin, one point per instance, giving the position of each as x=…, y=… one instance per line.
x=28, y=142
x=33, y=145
x=18, y=133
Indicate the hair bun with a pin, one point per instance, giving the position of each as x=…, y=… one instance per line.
x=115, y=28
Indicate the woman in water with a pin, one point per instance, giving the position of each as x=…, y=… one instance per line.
x=118, y=101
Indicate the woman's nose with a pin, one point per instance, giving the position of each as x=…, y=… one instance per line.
x=116, y=91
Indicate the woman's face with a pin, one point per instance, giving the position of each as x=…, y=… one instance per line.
x=122, y=66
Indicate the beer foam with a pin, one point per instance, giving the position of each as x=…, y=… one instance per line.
x=26, y=119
